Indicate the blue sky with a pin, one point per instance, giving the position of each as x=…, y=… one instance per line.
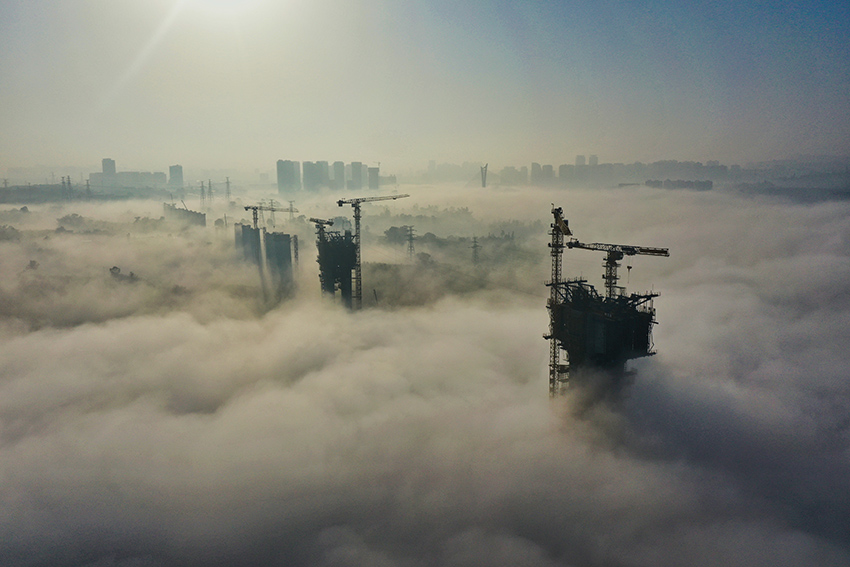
x=243, y=83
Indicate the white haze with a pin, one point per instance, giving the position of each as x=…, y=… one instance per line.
x=147, y=425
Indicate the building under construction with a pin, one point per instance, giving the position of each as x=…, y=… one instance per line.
x=183, y=216
x=279, y=252
x=597, y=333
x=248, y=240
x=278, y=249
x=337, y=260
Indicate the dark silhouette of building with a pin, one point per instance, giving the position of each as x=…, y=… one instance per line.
x=279, y=261
x=598, y=333
x=337, y=259
x=248, y=239
x=108, y=167
x=593, y=161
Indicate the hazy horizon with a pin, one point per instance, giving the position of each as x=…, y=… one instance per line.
x=244, y=83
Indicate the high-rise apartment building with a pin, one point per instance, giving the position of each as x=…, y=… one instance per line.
x=175, y=176
x=310, y=175
x=356, y=176
x=374, y=177
x=288, y=175
x=323, y=173
x=339, y=175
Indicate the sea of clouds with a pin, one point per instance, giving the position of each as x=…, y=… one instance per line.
x=178, y=420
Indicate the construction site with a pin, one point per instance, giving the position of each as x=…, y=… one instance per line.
x=273, y=253
x=596, y=333
x=416, y=256
x=592, y=334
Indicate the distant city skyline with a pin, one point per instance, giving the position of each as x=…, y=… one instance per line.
x=209, y=82
x=287, y=174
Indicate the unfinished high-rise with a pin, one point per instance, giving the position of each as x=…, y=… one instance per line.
x=598, y=333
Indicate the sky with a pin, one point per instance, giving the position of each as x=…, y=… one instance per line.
x=230, y=83
x=173, y=422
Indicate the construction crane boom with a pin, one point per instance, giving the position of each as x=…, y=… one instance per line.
x=616, y=252
x=355, y=204
x=626, y=249
x=255, y=208
x=359, y=200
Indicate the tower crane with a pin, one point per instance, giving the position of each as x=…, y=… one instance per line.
x=355, y=204
x=255, y=208
x=320, y=226
x=615, y=253
x=292, y=209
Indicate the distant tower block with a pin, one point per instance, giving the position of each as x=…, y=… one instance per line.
x=339, y=175
x=580, y=161
x=356, y=175
x=288, y=175
x=593, y=160
x=323, y=174
x=108, y=166
x=175, y=176
x=536, y=174
x=311, y=175
x=374, y=177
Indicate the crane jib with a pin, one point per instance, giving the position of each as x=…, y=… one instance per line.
x=626, y=249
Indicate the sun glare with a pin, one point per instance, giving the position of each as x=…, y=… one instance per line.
x=228, y=5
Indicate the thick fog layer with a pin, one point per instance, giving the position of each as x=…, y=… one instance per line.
x=175, y=419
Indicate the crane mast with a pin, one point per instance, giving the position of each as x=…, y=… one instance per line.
x=291, y=210
x=557, y=372
x=255, y=208
x=358, y=274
